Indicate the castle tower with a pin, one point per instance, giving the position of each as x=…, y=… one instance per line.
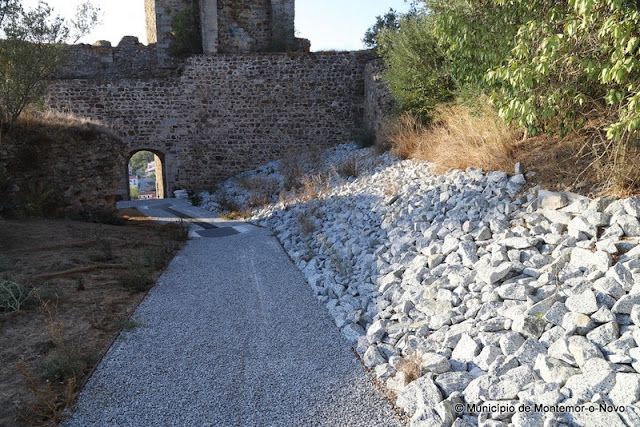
x=227, y=26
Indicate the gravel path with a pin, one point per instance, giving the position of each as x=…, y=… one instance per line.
x=232, y=336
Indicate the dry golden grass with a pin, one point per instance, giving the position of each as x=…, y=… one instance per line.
x=349, y=168
x=312, y=186
x=297, y=163
x=57, y=120
x=412, y=367
x=235, y=215
x=261, y=190
x=458, y=138
x=46, y=406
x=583, y=162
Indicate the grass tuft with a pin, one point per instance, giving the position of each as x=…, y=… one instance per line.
x=349, y=168
x=459, y=137
x=412, y=367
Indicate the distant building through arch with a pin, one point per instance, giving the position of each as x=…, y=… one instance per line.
x=157, y=167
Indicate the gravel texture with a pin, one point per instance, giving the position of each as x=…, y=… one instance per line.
x=232, y=336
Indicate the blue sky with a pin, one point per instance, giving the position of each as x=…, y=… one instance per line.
x=329, y=24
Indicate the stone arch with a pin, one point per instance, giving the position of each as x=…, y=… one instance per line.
x=162, y=183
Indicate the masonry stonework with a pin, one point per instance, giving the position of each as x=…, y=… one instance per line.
x=227, y=26
x=65, y=166
x=225, y=113
x=234, y=108
x=379, y=103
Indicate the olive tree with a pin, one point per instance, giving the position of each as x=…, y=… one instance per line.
x=32, y=46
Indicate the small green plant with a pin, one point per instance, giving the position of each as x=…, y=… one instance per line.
x=156, y=256
x=44, y=294
x=80, y=284
x=130, y=325
x=341, y=265
x=37, y=198
x=185, y=37
x=137, y=278
x=195, y=199
x=14, y=296
x=64, y=362
x=105, y=251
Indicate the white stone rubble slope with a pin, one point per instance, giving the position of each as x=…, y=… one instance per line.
x=473, y=300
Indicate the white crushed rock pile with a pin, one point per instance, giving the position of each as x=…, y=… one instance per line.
x=497, y=300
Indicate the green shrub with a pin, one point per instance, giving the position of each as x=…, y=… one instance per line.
x=574, y=61
x=137, y=278
x=476, y=35
x=390, y=20
x=195, y=199
x=39, y=199
x=415, y=65
x=185, y=37
x=62, y=363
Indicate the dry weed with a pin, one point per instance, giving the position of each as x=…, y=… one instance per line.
x=412, y=367
x=50, y=399
x=238, y=214
x=458, y=138
x=47, y=406
x=391, y=189
x=401, y=134
x=295, y=165
x=583, y=161
x=292, y=170
x=226, y=202
x=261, y=190
x=312, y=187
x=349, y=168
x=35, y=119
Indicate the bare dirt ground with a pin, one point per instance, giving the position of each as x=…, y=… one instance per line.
x=85, y=280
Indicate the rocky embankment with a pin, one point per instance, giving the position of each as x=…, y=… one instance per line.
x=475, y=301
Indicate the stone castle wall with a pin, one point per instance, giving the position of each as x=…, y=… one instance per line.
x=129, y=59
x=379, y=103
x=225, y=113
x=59, y=166
x=227, y=26
x=243, y=26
